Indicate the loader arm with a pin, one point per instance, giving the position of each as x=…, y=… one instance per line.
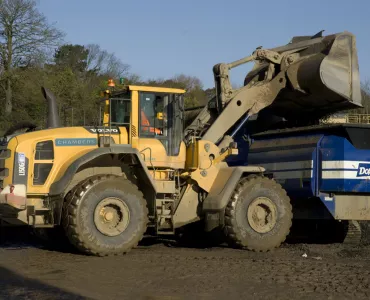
x=246, y=101
x=229, y=104
x=308, y=78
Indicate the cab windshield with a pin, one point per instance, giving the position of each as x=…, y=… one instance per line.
x=120, y=110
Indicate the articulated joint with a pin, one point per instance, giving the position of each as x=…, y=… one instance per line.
x=264, y=54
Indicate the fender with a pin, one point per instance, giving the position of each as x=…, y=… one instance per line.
x=58, y=187
x=221, y=191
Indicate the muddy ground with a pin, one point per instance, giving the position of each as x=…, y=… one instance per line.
x=161, y=270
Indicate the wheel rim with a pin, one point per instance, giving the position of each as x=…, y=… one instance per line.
x=262, y=215
x=112, y=216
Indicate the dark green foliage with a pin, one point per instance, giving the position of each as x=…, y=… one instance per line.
x=73, y=57
x=32, y=55
x=195, y=95
x=25, y=39
x=77, y=88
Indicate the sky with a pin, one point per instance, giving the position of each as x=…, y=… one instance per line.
x=163, y=38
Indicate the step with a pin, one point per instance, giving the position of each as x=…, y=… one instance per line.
x=160, y=232
x=165, y=216
x=43, y=226
x=41, y=211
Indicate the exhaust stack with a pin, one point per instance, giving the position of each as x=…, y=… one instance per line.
x=53, y=116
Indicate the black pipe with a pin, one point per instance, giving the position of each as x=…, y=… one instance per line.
x=53, y=116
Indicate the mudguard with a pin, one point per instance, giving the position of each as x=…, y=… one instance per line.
x=221, y=191
x=58, y=187
x=224, y=185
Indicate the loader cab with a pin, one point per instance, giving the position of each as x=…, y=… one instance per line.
x=154, y=120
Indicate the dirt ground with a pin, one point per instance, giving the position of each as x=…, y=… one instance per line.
x=158, y=270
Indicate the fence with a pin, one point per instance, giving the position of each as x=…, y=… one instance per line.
x=359, y=118
x=350, y=118
x=72, y=116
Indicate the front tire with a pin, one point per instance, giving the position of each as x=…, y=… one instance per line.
x=258, y=216
x=106, y=216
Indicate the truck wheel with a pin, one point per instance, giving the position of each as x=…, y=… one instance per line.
x=106, y=216
x=258, y=216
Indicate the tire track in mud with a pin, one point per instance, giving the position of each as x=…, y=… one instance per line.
x=156, y=272
x=328, y=276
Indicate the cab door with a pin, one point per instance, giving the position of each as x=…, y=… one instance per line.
x=161, y=129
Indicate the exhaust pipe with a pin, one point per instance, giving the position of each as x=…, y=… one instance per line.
x=53, y=116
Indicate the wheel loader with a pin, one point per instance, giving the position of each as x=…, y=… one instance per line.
x=141, y=171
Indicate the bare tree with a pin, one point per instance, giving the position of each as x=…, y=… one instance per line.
x=188, y=82
x=95, y=57
x=25, y=36
x=102, y=62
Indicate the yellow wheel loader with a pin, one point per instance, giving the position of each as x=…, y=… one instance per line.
x=141, y=171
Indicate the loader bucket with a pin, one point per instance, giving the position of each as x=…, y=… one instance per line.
x=339, y=70
x=322, y=77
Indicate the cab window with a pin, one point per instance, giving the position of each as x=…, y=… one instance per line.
x=153, y=111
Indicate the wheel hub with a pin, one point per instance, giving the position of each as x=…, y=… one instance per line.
x=108, y=216
x=111, y=216
x=262, y=215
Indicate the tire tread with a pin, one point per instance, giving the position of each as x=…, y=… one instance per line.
x=232, y=232
x=72, y=231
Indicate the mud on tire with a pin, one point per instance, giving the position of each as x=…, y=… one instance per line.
x=80, y=216
x=240, y=229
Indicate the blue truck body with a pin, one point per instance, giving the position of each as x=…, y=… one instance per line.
x=326, y=162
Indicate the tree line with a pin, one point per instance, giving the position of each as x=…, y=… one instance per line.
x=33, y=54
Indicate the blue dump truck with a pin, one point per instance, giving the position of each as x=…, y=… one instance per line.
x=325, y=170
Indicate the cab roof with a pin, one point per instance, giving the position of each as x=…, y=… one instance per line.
x=155, y=89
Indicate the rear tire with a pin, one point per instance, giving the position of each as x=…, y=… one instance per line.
x=259, y=215
x=106, y=216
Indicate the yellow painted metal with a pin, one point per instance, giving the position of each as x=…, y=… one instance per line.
x=206, y=171
x=204, y=161
x=155, y=89
x=151, y=149
x=192, y=156
x=106, y=113
x=160, y=116
x=155, y=155
x=63, y=156
x=224, y=155
x=134, y=117
x=9, y=163
x=162, y=174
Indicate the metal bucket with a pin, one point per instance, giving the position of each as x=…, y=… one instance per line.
x=323, y=77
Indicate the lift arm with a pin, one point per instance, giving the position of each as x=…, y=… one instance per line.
x=308, y=78
x=250, y=99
